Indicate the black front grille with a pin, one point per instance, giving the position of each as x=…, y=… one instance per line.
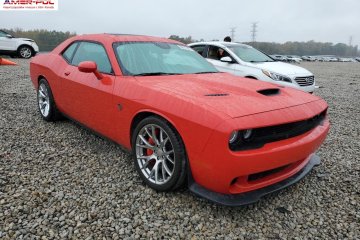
x=305, y=81
x=261, y=136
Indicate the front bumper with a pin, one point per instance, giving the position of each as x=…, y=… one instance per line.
x=35, y=47
x=224, y=171
x=252, y=196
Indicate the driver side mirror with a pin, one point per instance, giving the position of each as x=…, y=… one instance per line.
x=9, y=36
x=90, y=67
x=226, y=59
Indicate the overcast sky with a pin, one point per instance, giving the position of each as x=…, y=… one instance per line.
x=278, y=20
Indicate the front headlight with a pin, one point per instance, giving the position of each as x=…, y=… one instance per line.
x=244, y=135
x=233, y=137
x=276, y=77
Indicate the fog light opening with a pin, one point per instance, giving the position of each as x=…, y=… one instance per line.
x=233, y=181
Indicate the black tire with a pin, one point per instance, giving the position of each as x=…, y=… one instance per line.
x=180, y=166
x=53, y=113
x=25, y=52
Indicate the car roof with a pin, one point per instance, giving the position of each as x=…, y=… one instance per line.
x=220, y=44
x=119, y=37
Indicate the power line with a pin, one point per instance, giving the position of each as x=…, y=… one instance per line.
x=254, y=31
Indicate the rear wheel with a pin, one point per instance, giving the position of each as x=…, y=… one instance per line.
x=46, y=103
x=159, y=154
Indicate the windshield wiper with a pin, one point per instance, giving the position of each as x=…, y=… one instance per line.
x=204, y=72
x=155, y=74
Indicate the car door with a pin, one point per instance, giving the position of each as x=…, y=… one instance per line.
x=84, y=97
x=6, y=43
x=213, y=56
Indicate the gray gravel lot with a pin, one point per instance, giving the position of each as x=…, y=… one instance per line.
x=59, y=181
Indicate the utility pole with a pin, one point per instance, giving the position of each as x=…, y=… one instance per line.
x=232, y=31
x=349, y=51
x=350, y=41
x=253, y=31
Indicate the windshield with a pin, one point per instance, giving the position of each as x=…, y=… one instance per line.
x=250, y=54
x=156, y=58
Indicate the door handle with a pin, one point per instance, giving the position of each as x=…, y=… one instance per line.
x=67, y=73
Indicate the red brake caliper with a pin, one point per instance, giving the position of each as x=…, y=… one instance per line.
x=149, y=151
x=152, y=142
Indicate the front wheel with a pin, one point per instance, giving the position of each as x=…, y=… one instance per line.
x=159, y=154
x=25, y=52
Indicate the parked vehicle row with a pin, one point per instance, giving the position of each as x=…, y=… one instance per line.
x=231, y=139
x=287, y=58
x=297, y=59
x=246, y=61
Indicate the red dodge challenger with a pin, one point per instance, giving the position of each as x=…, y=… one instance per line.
x=231, y=139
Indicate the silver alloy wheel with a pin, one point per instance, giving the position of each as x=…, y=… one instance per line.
x=155, y=154
x=44, y=100
x=25, y=52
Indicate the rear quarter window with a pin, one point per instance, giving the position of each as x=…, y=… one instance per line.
x=69, y=52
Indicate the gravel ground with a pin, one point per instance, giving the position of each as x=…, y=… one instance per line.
x=59, y=181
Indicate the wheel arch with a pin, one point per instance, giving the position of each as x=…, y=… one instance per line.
x=139, y=116
x=39, y=78
x=27, y=45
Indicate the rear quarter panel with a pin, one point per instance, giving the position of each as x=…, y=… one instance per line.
x=50, y=67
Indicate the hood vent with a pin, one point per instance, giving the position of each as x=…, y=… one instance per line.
x=216, y=94
x=269, y=91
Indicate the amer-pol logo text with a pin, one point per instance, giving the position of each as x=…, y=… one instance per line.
x=35, y=5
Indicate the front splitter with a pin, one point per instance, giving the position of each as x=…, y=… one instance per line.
x=252, y=196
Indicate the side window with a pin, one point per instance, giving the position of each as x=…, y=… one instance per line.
x=217, y=53
x=88, y=51
x=199, y=49
x=69, y=52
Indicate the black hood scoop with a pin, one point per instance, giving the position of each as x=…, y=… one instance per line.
x=269, y=91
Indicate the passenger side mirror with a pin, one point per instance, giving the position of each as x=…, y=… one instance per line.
x=9, y=36
x=226, y=59
x=90, y=67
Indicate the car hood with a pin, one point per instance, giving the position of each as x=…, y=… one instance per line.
x=283, y=68
x=227, y=94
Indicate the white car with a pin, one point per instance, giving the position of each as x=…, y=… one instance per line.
x=347, y=60
x=280, y=58
x=295, y=59
x=330, y=59
x=246, y=61
x=22, y=47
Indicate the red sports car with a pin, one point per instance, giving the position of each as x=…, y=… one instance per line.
x=231, y=139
